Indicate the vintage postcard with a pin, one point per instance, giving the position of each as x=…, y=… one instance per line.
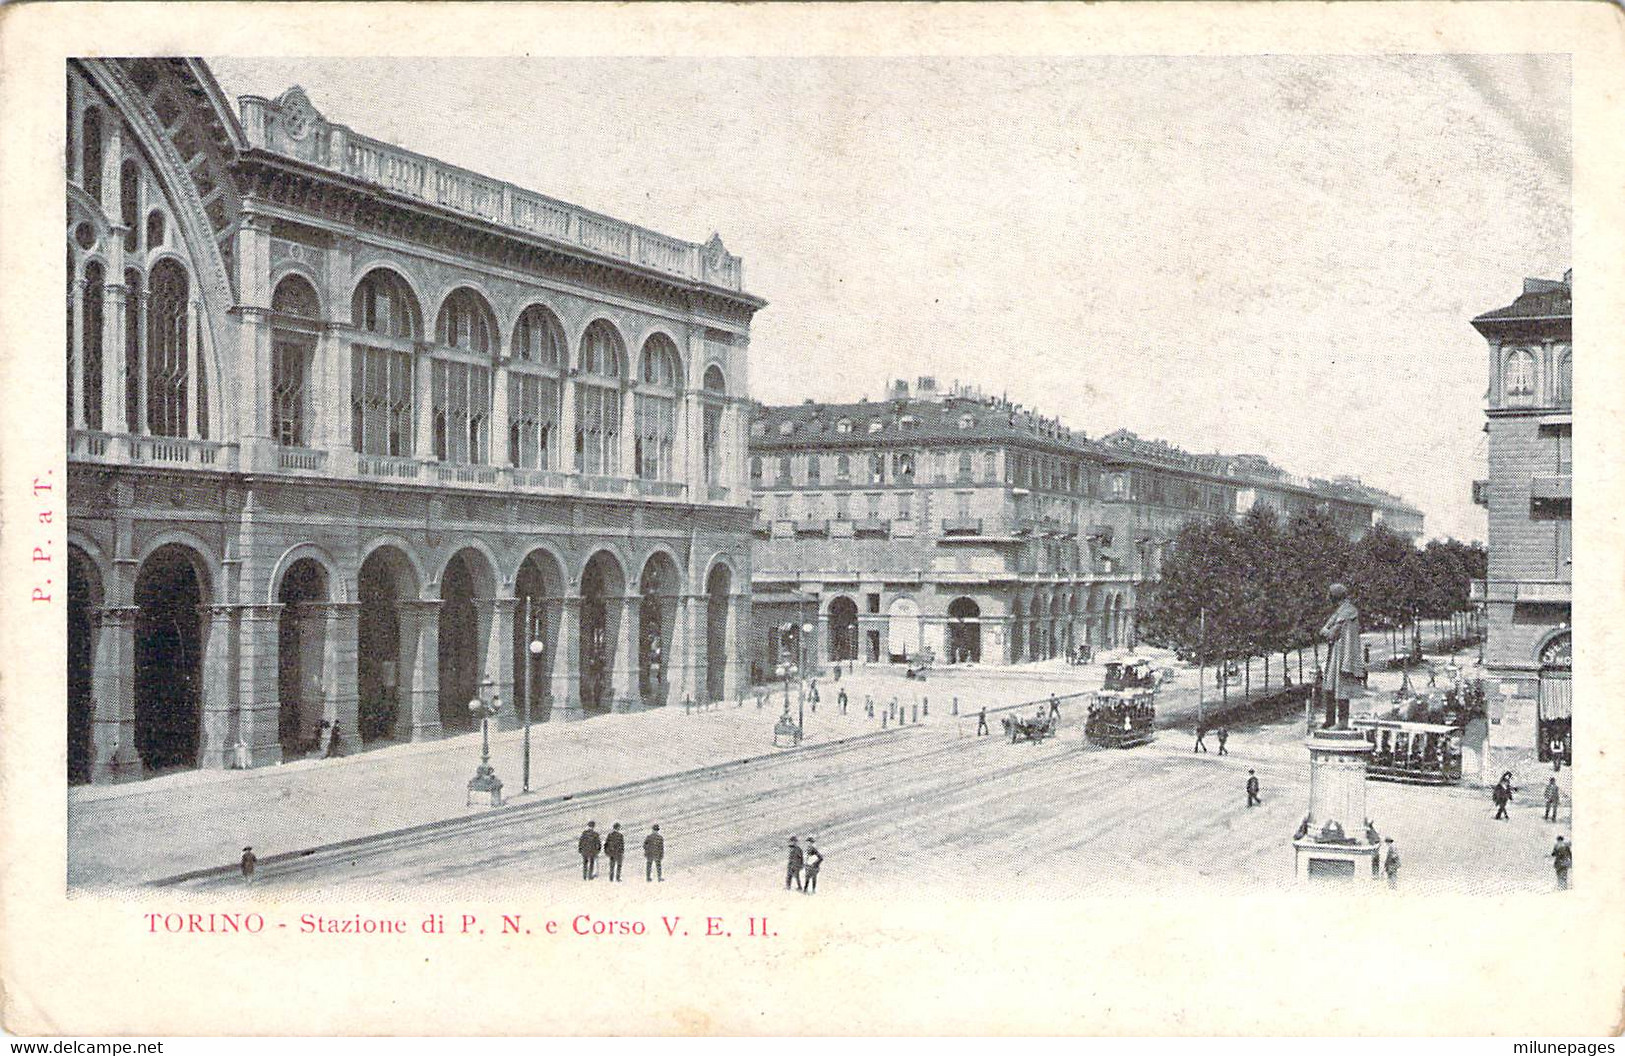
x=836, y=519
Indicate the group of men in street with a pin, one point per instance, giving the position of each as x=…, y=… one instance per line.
x=802, y=869
x=613, y=847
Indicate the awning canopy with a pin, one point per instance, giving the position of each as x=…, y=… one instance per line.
x=1556, y=698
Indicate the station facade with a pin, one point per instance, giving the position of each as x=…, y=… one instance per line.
x=340, y=415
x=949, y=523
x=1528, y=594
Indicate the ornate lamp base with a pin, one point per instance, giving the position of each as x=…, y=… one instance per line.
x=485, y=786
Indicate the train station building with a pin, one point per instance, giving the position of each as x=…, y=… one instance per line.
x=341, y=414
x=1528, y=594
x=941, y=520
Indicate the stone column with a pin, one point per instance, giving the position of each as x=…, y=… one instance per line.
x=113, y=687
x=256, y=451
x=341, y=632
x=623, y=679
x=565, y=683
x=496, y=617
x=194, y=312
x=565, y=443
x=254, y=628
x=680, y=653
x=730, y=649
x=423, y=403
x=419, y=690
x=114, y=419
x=497, y=428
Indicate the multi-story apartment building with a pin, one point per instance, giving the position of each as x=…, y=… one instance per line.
x=1527, y=596
x=340, y=414
x=972, y=528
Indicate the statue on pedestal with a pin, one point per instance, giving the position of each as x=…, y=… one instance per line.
x=1345, y=664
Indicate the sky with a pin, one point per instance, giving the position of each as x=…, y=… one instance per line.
x=1276, y=254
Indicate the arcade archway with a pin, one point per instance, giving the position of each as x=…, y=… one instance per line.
x=169, y=659
x=602, y=587
x=539, y=590
x=84, y=598
x=659, y=591
x=463, y=636
x=964, y=631
x=383, y=655
x=903, y=629
x=718, y=583
x=843, y=629
x=301, y=646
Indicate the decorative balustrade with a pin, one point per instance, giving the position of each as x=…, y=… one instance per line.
x=301, y=458
x=174, y=449
x=541, y=480
x=389, y=467
x=660, y=489
x=604, y=485
x=83, y=443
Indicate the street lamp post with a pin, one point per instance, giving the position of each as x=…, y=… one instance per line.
x=485, y=781
x=801, y=706
x=533, y=622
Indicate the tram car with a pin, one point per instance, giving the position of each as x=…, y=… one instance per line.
x=1124, y=711
x=1422, y=753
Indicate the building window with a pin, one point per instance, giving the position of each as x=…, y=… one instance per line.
x=538, y=339
x=781, y=504
x=844, y=425
x=876, y=425
x=786, y=428
x=1565, y=378
x=598, y=402
x=129, y=206
x=1565, y=549
x=962, y=505
x=758, y=429
x=381, y=395
x=965, y=466
x=155, y=229
x=135, y=364
x=873, y=499
x=168, y=357
x=905, y=505
x=966, y=421
x=297, y=314
x=784, y=471
x=843, y=467
x=843, y=504
x=465, y=322
x=461, y=406
x=1518, y=377
x=877, y=469
x=902, y=467
x=91, y=328
x=383, y=304
x=939, y=471
x=756, y=470
x=814, y=472
x=815, y=507
x=656, y=410
x=713, y=393
x=91, y=174
x=533, y=420
x=990, y=467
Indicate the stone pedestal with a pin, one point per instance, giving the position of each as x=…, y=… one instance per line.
x=1336, y=841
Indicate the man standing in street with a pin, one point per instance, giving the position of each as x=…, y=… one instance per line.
x=792, y=870
x=1200, y=745
x=1054, y=707
x=654, y=849
x=1553, y=798
x=1502, y=795
x=1562, y=860
x=1390, y=865
x=1341, y=632
x=589, y=845
x=1252, y=790
x=841, y=697
x=248, y=865
x=1224, y=735
x=814, y=860
x=615, y=847
x=981, y=722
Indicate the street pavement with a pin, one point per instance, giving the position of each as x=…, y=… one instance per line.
x=929, y=808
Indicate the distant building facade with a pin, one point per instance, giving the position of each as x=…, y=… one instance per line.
x=963, y=526
x=340, y=415
x=1528, y=593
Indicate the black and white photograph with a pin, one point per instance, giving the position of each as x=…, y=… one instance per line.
x=512, y=493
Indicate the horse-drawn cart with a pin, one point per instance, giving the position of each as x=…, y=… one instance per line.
x=1034, y=729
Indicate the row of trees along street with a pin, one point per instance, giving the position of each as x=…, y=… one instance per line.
x=1262, y=584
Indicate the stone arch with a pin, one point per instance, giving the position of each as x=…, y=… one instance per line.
x=664, y=333
x=486, y=571
x=720, y=629
x=660, y=345
x=201, y=554
x=288, y=297
x=406, y=551
x=537, y=312
x=396, y=280
x=388, y=580
x=842, y=614
x=173, y=587
x=617, y=343
x=715, y=379
x=466, y=587
x=301, y=551
x=468, y=295
x=964, y=631
x=902, y=627
x=303, y=721
x=540, y=587
x=86, y=595
x=603, y=588
x=660, y=588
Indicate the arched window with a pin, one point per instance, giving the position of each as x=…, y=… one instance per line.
x=135, y=360
x=129, y=194
x=168, y=357
x=655, y=410
x=843, y=467
x=1565, y=378
x=90, y=368
x=383, y=304
x=293, y=348
x=965, y=465
x=598, y=402
x=534, y=389
x=155, y=229
x=714, y=381
x=91, y=172
x=1518, y=377
x=465, y=322
x=461, y=399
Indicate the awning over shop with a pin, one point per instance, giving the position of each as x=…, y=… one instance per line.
x=1556, y=698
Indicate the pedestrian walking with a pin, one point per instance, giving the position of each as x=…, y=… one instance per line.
x=1224, y=735
x=1562, y=860
x=981, y=722
x=812, y=696
x=248, y=865
x=1390, y=865
x=1200, y=745
x=814, y=859
x=1553, y=798
x=589, y=845
x=1252, y=790
x=1502, y=795
x=841, y=697
x=868, y=706
x=654, y=849
x=792, y=870
x=615, y=849
x=1054, y=707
